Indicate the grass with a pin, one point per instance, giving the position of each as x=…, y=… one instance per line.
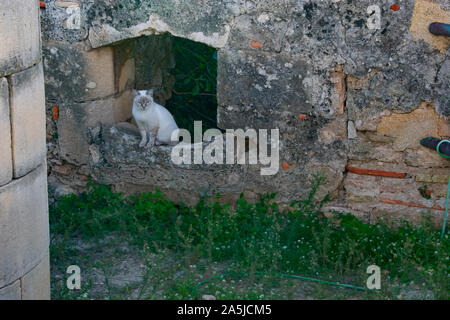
x=146, y=247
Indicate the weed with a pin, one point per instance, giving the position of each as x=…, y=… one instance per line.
x=253, y=240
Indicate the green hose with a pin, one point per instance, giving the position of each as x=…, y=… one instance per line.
x=448, y=188
x=446, y=210
x=285, y=275
x=323, y=281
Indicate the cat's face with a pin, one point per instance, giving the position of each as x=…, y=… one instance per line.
x=143, y=99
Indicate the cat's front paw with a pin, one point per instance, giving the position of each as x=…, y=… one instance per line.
x=150, y=144
x=142, y=144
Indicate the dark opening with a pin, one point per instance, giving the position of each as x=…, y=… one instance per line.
x=194, y=92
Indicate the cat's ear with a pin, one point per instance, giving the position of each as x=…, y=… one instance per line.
x=149, y=93
x=135, y=92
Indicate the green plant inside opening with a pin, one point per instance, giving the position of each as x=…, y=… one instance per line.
x=194, y=94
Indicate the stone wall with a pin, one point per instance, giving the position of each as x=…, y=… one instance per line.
x=86, y=86
x=24, y=237
x=351, y=97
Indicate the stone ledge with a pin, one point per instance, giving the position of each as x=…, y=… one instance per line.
x=116, y=159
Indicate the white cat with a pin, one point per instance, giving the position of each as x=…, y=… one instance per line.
x=155, y=122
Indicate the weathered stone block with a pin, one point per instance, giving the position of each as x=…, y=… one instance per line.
x=361, y=188
x=36, y=283
x=76, y=118
x=11, y=292
x=65, y=77
x=393, y=214
x=99, y=70
x=260, y=82
x=126, y=77
x=425, y=158
x=367, y=151
x=408, y=129
x=425, y=13
x=5, y=134
x=20, y=36
x=441, y=178
x=423, y=177
x=24, y=234
x=27, y=99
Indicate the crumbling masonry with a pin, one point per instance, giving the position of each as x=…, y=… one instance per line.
x=352, y=99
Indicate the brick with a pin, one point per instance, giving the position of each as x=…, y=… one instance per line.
x=20, y=36
x=99, y=71
x=255, y=44
x=410, y=204
x=24, y=234
x=11, y=292
x=5, y=134
x=376, y=172
x=36, y=283
x=28, y=120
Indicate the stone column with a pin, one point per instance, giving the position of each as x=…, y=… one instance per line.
x=24, y=233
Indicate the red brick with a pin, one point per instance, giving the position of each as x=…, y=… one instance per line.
x=410, y=204
x=255, y=44
x=371, y=172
